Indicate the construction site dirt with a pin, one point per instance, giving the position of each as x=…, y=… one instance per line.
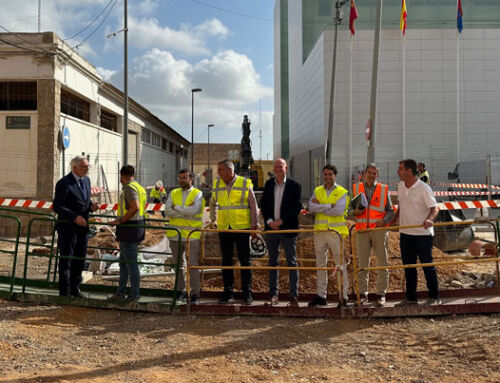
x=46, y=343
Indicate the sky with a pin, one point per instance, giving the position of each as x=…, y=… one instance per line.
x=224, y=47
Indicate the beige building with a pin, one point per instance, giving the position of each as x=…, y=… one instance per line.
x=45, y=88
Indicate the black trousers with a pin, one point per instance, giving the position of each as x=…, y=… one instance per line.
x=227, y=241
x=72, y=242
x=413, y=247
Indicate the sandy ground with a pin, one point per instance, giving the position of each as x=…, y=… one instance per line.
x=68, y=344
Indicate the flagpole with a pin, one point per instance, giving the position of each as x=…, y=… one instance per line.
x=350, y=109
x=458, y=98
x=403, y=100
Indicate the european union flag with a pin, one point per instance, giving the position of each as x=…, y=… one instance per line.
x=460, y=24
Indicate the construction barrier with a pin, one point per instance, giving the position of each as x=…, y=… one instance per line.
x=53, y=256
x=464, y=186
x=446, y=263
x=333, y=269
x=438, y=193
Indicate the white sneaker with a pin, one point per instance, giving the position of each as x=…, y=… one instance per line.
x=433, y=302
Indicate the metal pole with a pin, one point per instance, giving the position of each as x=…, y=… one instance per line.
x=39, y=17
x=208, y=150
x=458, y=99
x=209, y=178
x=329, y=140
x=373, y=102
x=192, y=127
x=192, y=132
x=125, y=87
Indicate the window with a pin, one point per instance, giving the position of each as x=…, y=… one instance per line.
x=156, y=140
x=146, y=136
x=164, y=143
x=185, y=153
x=171, y=147
x=108, y=121
x=73, y=105
x=18, y=96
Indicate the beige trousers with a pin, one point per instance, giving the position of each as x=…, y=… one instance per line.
x=194, y=274
x=364, y=243
x=323, y=242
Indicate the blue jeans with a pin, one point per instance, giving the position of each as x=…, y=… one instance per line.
x=273, y=242
x=413, y=247
x=128, y=254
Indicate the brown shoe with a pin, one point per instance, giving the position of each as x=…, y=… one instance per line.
x=273, y=301
x=293, y=302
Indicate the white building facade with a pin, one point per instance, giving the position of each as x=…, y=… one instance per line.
x=45, y=87
x=444, y=106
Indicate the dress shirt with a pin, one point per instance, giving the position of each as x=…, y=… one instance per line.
x=278, y=197
x=327, y=208
x=252, y=204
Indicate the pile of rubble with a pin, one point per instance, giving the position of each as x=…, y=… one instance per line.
x=469, y=280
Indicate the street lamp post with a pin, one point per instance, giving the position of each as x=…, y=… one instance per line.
x=192, y=127
x=208, y=155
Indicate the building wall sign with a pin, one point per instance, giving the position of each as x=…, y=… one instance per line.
x=18, y=122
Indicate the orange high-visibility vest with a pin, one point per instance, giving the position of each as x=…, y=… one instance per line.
x=376, y=206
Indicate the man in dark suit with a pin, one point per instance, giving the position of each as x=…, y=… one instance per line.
x=281, y=206
x=72, y=204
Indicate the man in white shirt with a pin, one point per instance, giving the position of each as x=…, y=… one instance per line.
x=417, y=206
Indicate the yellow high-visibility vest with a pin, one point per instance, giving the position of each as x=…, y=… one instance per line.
x=157, y=193
x=186, y=224
x=325, y=222
x=122, y=210
x=233, y=209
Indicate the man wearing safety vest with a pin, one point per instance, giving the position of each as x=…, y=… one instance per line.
x=329, y=202
x=185, y=206
x=158, y=193
x=131, y=206
x=377, y=212
x=233, y=207
x=423, y=174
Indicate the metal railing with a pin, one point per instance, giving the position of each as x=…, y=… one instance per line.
x=333, y=268
x=420, y=265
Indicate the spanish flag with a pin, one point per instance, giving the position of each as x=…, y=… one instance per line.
x=352, y=17
x=404, y=15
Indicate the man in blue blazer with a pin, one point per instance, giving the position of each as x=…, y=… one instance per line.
x=72, y=204
x=281, y=205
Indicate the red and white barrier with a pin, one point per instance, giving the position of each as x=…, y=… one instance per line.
x=463, y=186
x=13, y=202
x=96, y=190
x=26, y=203
x=452, y=193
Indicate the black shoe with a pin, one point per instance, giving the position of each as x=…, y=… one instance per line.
x=130, y=299
x=117, y=298
x=318, y=301
x=342, y=304
x=76, y=293
x=181, y=296
x=248, y=299
x=194, y=300
x=227, y=297
x=63, y=294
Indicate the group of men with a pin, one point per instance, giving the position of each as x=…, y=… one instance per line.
x=234, y=211
x=73, y=204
